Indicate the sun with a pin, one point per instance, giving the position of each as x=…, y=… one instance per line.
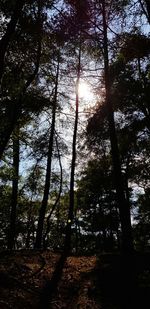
x=85, y=92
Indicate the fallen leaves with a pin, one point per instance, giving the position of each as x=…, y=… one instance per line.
x=25, y=273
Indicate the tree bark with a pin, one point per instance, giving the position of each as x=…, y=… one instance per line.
x=4, y=42
x=57, y=199
x=145, y=5
x=71, y=195
x=124, y=209
x=38, y=242
x=13, y=112
x=29, y=225
x=148, y=9
x=12, y=230
x=7, y=128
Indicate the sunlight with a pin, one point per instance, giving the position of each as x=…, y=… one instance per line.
x=85, y=92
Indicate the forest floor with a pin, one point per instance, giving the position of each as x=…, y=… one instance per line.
x=87, y=282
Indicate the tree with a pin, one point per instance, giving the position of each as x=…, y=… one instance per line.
x=11, y=26
x=97, y=206
x=16, y=149
x=45, y=51
x=27, y=43
x=142, y=218
x=128, y=90
x=145, y=5
x=80, y=14
x=56, y=203
x=124, y=209
x=42, y=212
x=71, y=201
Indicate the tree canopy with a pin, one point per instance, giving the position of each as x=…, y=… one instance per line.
x=75, y=164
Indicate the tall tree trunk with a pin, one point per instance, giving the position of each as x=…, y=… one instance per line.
x=71, y=196
x=5, y=40
x=76, y=233
x=124, y=209
x=8, y=127
x=38, y=242
x=29, y=217
x=13, y=113
x=145, y=107
x=12, y=229
x=57, y=199
x=145, y=4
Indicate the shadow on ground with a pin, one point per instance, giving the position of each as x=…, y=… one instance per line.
x=29, y=280
x=124, y=281
x=111, y=281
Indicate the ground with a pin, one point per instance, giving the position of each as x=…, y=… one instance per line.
x=103, y=282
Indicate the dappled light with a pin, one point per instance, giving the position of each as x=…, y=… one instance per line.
x=74, y=151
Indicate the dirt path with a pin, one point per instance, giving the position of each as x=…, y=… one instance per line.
x=23, y=275
x=86, y=282
x=77, y=286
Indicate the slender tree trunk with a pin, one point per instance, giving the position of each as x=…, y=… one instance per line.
x=5, y=40
x=117, y=229
x=76, y=233
x=124, y=209
x=145, y=107
x=28, y=236
x=12, y=230
x=29, y=217
x=145, y=4
x=8, y=127
x=71, y=196
x=33, y=230
x=58, y=217
x=111, y=228
x=57, y=199
x=13, y=113
x=38, y=242
x=126, y=180
x=148, y=9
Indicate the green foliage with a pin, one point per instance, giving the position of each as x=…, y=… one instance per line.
x=142, y=228
x=60, y=32
x=97, y=206
x=5, y=199
x=135, y=45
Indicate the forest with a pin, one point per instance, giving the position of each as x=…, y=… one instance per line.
x=74, y=154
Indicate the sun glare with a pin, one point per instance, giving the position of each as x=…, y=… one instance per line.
x=85, y=92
